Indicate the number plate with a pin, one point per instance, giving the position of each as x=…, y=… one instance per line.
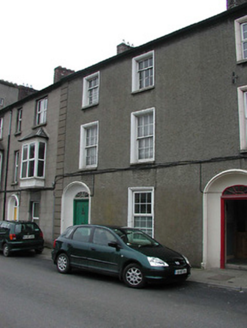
x=28, y=237
x=181, y=271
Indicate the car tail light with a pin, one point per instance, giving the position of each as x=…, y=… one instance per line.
x=54, y=243
x=41, y=234
x=12, y=236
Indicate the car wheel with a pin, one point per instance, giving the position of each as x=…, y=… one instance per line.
x=63, y=263
x=133, y=276
x=6, y=251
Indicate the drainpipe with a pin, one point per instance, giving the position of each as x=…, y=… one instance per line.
x=7, y=167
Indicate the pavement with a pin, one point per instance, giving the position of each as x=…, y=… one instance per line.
x=235, y=279
x=226, y=278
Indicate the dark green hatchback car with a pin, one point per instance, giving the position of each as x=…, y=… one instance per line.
x=128, y=253
x=20, y=236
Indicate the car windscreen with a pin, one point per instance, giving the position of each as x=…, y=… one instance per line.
x=26, y=227
x=135, y=238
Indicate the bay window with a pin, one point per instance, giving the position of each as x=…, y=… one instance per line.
x=33, y=160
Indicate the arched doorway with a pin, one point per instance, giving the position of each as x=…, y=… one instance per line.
x=76, y=205
x=234, y=226
x=220, y=208
x=13, y=208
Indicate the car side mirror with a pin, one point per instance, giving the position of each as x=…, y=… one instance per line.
x=114, y=244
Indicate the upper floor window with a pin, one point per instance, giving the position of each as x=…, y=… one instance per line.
x=241, y=38
x=1, y=102
x=142, y=136
x=143, y=71
x=89, y=145
x=16, y=166
x=1, y=166
x=140, y=209
x=33, y=160
x=18, y=120
x=244, y=39
x=90, y=95
x=1, y=127
x=242, y=109
x=41, y=109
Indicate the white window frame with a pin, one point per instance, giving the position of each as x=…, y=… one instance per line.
x=16, y=166
x=242, y=111
x=41, y=111
x=238, y=24
x=1, y=127
x=34, y=159
x=86, y=90
x=131, y=206
x=18, y=120
x=1, y=166
x=135, y=71
x=134, y=140
x=34, y=204
x=84, y=147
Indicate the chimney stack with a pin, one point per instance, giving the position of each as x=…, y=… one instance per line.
x=233, y=3
x=61, y=72
x=122, y=47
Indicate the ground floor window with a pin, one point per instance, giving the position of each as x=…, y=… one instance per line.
x=140, y=214
x=35, y=211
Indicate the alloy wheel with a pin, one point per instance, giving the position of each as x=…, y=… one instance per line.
x=6, y=250
x=63, y=263
x=133, y=276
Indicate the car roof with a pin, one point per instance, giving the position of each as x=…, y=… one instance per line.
x=112, y=227
x=16, y=222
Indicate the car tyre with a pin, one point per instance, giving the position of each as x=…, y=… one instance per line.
x=6, y=251
x=133, y=276
x=63, y=263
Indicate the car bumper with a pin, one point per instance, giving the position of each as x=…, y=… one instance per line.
x=168, y=274
x=20, y=246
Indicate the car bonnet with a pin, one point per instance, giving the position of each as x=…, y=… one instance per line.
x=159, y=251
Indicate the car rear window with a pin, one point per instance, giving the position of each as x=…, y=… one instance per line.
x=26, y=227
x=5, y=225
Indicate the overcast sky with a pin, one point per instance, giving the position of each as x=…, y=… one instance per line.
x=39, y=35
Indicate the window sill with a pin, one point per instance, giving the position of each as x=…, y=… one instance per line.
x=32, y=183
x=242, y=61
x=38, y=126
x=88, y=168
x=90, y=106
x=142, y=90
x=147, y=162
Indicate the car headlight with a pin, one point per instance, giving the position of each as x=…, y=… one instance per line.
x=187, y=261
x=156, y=262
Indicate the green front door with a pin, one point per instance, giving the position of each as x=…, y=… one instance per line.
x=80, y=211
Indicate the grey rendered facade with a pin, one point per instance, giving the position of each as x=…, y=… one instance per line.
x=153, y=137
x=196, y=138
x=28, y=193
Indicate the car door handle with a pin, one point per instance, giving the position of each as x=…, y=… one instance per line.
x=93, y=249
